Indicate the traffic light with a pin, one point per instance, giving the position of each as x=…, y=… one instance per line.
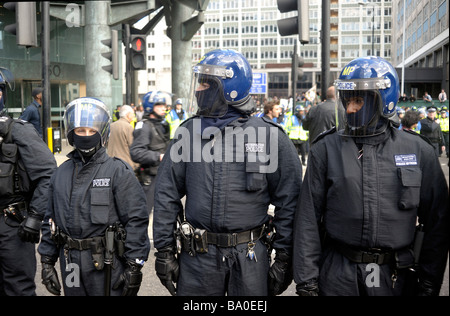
x=296, y=71
x=113, y=55
x=138, y=52
x=25, y=26
x=294, y=25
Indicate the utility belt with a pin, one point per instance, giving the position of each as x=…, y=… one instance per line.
x=16, y=211
x=194, y=240
x=97, y=245
x=369, y=255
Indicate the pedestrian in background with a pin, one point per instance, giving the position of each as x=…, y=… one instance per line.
x=431, y=129
x=272, y=110
x=442, y=96
x=297, y=134
x=444, y=124
x=97, y=216
x=150, y=139
x=32, y=112
x=427, y=98
x=364, y=190
x=121, y=136
x=322, y=117
x=176, y=116
x=410, y=120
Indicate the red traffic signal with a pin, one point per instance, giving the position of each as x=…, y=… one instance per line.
x=138, y=52
x=137, y=44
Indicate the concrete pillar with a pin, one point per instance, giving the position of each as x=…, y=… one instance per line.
x=181, y=53
x=98, y=81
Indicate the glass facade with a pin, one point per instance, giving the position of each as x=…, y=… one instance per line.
x=250, y=27
x=67, y=62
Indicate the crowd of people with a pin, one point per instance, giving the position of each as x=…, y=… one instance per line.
x=442, y=98
x=369, y=216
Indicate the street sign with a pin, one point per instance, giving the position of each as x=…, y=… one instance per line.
x=259, y=84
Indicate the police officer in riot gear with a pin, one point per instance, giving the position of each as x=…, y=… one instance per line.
x=26, y=166
x=364, y=188
x=150, y=139
x=97, y=216
x=230, y=167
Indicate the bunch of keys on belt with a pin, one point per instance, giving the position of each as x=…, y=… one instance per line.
x=251, y=249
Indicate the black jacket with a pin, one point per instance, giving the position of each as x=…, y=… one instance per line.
x=322, y=117
x=86, y=199
x=225, y=184
x=370, y=202
x=37, y=161
x=150, y=139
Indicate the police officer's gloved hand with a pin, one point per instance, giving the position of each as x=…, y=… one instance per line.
x=49, y=276
x=308, y=289
x=30, y=229
x=131, y=279
x=167, y=268
x=427, y=288
x=280, y=273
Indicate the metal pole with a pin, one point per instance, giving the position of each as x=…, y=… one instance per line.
x=325, y=48
x=403, y=49
x=373, y=30
x=98, y=81
x=181, y=52
x=128, y=64
x=46, y=101
x=294, y=74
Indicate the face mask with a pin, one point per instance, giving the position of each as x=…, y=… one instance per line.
x=87, y=145
x=209, y=101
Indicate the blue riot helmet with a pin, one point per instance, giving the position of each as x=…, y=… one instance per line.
x=87, y=112
x=153, y=98
x=400, y=111
x=368, y=88
x=6, y=79
x=222, y=78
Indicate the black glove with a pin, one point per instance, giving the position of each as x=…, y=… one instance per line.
x=427, y=288
x=308, y=289
x=167, y=268
x=131, y=279
x=49, y=276
x=30, y=229
x=280, y=273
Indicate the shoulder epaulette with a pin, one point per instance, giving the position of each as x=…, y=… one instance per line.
x=325, y=133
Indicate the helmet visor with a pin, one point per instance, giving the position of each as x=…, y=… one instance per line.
x=206, y=97
x=362, y=111
x=87, y=112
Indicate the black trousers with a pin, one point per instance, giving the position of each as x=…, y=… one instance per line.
x=17, y=261
x=223, y=271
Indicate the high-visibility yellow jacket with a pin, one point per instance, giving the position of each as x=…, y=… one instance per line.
x=443, y=122
x=295, y=129
x=174, y=121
